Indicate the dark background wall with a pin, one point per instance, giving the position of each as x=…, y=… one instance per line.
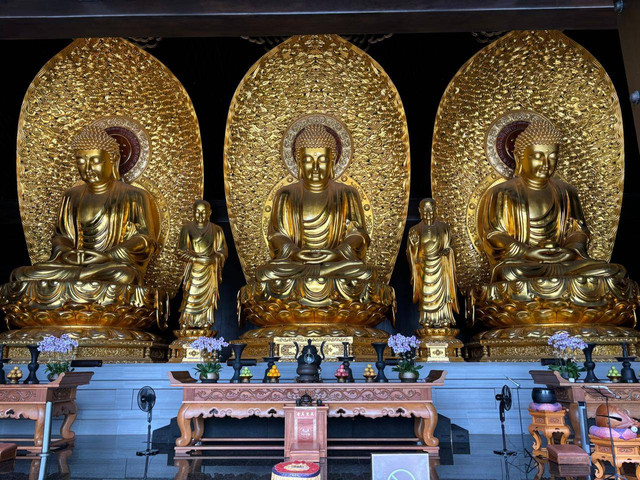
x=421, y=66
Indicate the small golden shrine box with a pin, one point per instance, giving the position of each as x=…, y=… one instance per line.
x=305, y=433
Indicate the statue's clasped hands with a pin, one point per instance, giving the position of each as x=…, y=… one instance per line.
x=550, y=252
x=316, y=256
x=78, y=256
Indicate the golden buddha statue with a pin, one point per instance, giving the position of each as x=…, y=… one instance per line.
x=107, y=229
x=536, y=240
x=106, y=234
x=203, y=247
x=317, y=281
x=433, y=276
x=532, y=224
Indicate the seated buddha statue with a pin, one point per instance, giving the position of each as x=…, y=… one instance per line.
x=532, y=225
x=536, y=240
x=317, y=235
x=107, y=229
x=92, y=286
x=317, y=276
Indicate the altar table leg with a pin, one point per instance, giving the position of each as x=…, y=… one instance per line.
x=184, y=424
x=63, y=457
x=426, y=427
x=574, y=419
x=198, y=424
x=39, y=431
x=65, y=428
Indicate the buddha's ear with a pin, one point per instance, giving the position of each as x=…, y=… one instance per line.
x=115, y=164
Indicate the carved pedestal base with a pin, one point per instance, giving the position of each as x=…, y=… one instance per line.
x=180, y=350
x=109, y=321
x=547, y=425
x=529, y=343
x=439, y=345
x=360, y=339
x=111, y=345
x=627, y=452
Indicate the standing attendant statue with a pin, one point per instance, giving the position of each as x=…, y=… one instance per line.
x=433, y=277
x=203, y=246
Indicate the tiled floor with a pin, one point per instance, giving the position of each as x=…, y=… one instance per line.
x=114, y=457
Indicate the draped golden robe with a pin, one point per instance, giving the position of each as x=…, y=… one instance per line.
x=340, y=218
x=125, y=228
x=203, y=273
x=508, y=231
x=432, y=264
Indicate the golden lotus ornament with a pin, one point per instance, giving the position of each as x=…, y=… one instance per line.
x=100, y=197
x=535, y=222
x=329, y=170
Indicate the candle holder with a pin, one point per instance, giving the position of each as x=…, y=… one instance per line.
x=271, y=361
x=237, y=362
x=346, y=359
x=627, y=375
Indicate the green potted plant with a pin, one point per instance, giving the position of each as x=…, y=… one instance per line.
x=209, y=349
x=405, y=348
x=565, y=348
x=61, y=351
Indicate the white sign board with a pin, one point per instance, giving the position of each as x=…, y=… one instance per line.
x=400, y=466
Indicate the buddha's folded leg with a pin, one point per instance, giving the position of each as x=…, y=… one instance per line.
x=518, y=270
x=279, y=271
x=47, y=271
x=346, y=269
x=595, y=268
x=118, y=273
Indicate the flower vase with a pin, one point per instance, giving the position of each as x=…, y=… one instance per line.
x=408, y=377
x=52, y=377
x=33, y=365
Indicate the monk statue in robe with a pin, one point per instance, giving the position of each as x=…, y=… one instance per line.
x=433, y=273
x=317, y=234
x=107, y=230
x=203, y=247
x=532, y=225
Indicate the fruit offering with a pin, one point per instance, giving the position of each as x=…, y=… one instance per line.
x=369, y=374
x=245, y=372
x=613, y=374
x=273, y=372
x=341, y=374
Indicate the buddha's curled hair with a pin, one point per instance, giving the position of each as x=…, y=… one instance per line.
x=95, y=138
x=316, y=136
x=539, y=132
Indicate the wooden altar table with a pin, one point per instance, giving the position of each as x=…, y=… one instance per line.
x=29, y=401
x=242, y=400
x=571, y=394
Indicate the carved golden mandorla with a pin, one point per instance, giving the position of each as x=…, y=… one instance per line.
x=87, y=81
x=527, y=71
x=321, y=74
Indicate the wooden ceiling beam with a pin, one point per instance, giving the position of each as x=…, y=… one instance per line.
x=38, y=19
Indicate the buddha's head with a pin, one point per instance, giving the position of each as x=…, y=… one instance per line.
x=315, y=150
x=428, y=210
x=201, y=212
x=97, y=155
x=536, y=151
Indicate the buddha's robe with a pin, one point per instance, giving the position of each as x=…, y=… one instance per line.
x=432, y=264
x=203, y=273
x=508, y=231
x=292, y=227
x=122, y=223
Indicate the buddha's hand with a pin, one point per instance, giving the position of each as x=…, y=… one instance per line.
x=84, y=257
x=316, y=256
x=550, y=255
